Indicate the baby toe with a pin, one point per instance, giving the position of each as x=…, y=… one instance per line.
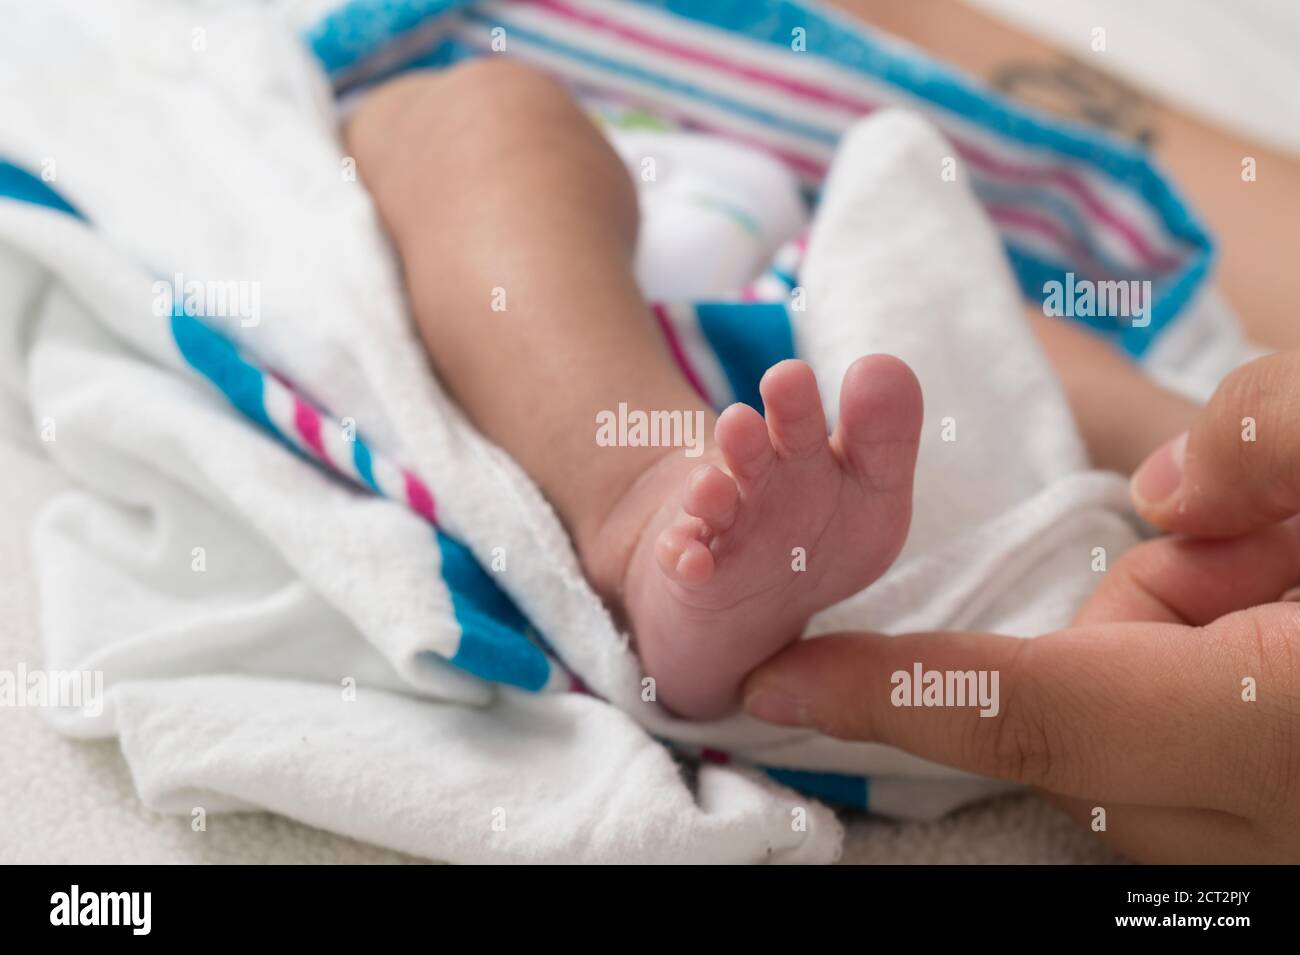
x=683, y=558
x=793, y=407
x=742, y=437
x=711, y=495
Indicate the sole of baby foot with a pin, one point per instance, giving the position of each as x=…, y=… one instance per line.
x=783, y=522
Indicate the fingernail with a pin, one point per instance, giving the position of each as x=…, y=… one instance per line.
x=1161, y=473
x=1290, y=596
x=771, y=703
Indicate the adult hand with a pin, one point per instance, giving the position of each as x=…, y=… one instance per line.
x=1172, y=702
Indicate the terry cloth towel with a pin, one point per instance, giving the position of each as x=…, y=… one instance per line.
x=347, y=615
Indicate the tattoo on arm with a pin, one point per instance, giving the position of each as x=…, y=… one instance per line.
x=1069, y=88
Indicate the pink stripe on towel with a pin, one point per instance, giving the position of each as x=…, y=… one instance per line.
x=307, y=422
x=418, y=496
x=1048, y=228
x=678, y=353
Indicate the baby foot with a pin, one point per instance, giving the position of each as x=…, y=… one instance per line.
x=730, y=569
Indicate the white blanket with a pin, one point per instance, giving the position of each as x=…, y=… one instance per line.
x=295, y=670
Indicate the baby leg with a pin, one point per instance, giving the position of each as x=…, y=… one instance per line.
x=492, y=182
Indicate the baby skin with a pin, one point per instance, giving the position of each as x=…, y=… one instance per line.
x=492, y=181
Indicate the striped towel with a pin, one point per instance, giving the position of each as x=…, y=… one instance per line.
x=789, y=78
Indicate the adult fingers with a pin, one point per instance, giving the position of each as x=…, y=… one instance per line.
x=1179, y=580
x=1150, y=713
x=1238, y=467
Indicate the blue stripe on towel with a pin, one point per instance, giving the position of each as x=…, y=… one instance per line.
x=354, y=29
x=361, y=461
x=216, y=358
x=18, y=183
x=1032, y=272
x=494, y=642
x=1177, y=293
x=748, y=339
x=836, y=788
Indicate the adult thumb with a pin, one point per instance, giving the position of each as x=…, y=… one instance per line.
x=1238, y=467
